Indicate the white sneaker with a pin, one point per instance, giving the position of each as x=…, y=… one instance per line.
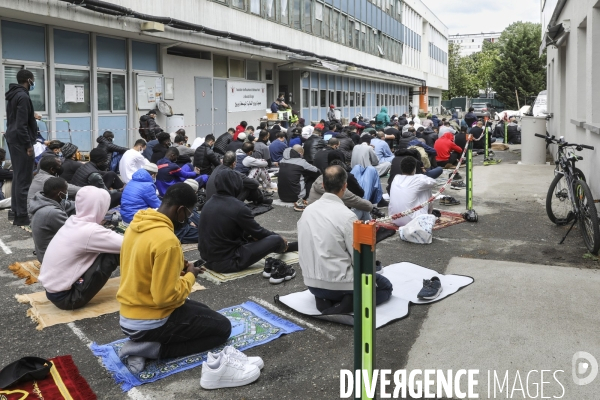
x=273, y=185
x=238, y=355
x=227, y=371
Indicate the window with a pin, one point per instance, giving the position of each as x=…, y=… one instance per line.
x=296, y=14
x=305, y=98
x=331, y=97
x=364, y=99
x=270, y=9
x=314, y=94
x=285, y=19
x=326, y=23
x=350, y=32
x=68, y=82
x=255, y=7
x=236, y=68
x=253, y=70
x=268, y=74
x=351, y=99
x=38, y=95
x=323, y=98
x=335, y=26
x=363, y=36
x=238, y=3
x=318, y=23
x=307, y=18
x=343, y=27
x=111, y=92
x=377, y=102
x=356, y=34
x=338, y=96
x=345, y=99
x=220, y=67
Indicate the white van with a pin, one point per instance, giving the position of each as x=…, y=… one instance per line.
x=540, y=108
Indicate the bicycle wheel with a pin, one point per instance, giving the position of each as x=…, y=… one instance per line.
x=588, y=216
x=578, y=174
x=558, y=205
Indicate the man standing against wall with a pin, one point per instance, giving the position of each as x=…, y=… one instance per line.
x=21, y=133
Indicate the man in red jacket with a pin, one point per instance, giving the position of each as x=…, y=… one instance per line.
x=448, y=152
x=239, y=129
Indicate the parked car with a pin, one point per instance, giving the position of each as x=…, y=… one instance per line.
x=540, y=107
x=512, y=113
x=483, y=109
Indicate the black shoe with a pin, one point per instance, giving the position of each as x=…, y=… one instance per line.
x=449, y=201
x=377, y=213
x=11, y=215
x=457, y=185
x=436, y=213
x=383, y=203
x=323, y=304
x=267, y=201
x=22, y=221
x=431, y=289
x=267, y=193
x=268, y=267
x=345, y=306
x=281, y=272
x=457, y=177
x=377, y=266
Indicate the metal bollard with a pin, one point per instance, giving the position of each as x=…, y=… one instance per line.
x=364, y=301
x=470, y=215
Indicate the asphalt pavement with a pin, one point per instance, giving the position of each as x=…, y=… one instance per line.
x=513, y=226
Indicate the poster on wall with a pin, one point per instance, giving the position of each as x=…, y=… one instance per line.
x=246, y=96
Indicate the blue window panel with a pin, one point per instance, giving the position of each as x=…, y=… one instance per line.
x=117, y=124
x=23, y=42
x=337, y=4
x=368, y=86
x=305, y=114
x=314, y=80
x=322, y=81
x=345, y=87
x=314, y=114
x=351, y=7
x=338, y=82
x=345, y=5
x=81, y=132
x=145, y=56
x=352, y=85
x=71, y=48
x=363, y=11
x=358, y=11
x=329, y=1
x=322, y=113
x=112, y=53
x=369, y=14
x=352, y=113
x=331, y=81
x=305, y=83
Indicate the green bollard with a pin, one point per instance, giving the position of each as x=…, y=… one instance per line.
x=505, y=132
x=364, y=301
x=470, y=175
x=487, y=142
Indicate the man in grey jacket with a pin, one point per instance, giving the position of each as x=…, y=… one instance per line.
x=325, y=240
x=50, y=210
x=365, y=155
x=49, y=167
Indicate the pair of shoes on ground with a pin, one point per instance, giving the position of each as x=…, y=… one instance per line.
x=457, y=177
x=431, y=289
x=229, y=368
x=383, y=203
x=457, y=185
x=300, y=205
x=449, y=201
x=277, y=271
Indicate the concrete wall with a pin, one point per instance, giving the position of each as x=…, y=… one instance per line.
x=574, y=85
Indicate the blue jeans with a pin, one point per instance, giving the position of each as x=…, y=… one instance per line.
x=383, y=291
x=435, y=172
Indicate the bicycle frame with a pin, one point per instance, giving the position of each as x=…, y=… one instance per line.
x=566, y=165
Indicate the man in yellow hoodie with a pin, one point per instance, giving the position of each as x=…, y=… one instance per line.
x=155, y=282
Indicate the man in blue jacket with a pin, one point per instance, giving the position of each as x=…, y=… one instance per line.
x=169, y=173
x=140, y=193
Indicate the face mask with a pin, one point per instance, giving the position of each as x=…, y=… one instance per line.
x=154, y=179
x=3, y=163
x=31, y=86
x=66, y=196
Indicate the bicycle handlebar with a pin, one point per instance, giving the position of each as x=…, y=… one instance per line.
x=585, y=146
x=552, y=139
x=542, y=136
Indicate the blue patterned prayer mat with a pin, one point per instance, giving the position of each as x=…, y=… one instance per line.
x=252, y=326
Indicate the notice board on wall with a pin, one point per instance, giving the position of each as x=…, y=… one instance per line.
x=149, y=90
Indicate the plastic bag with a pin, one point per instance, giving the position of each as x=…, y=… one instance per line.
x=419, y=230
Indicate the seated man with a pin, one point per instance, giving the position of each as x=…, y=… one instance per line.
x=261, y=148
x=251, y=188
x=70, y=163
x=140, y=193
x=236, y=144
x=49, y=167
x=159, y=151
x=179, y=143
x=223, y=141
x=230, y=240
x=382, y=149
x=169, y=173
x=253, y=168
x=296, y=177
x=95, y=173
x=49, y=210
x=277, y=148
x=156, y=314
x=188, y=233
x=409, y=190
x=448, y=153
x=5, y=175
x=321, y=160
x=82, y=255
x=205, y=159
x=364, y=155
x=132, y=161
x=105, y=142
x=325, y=247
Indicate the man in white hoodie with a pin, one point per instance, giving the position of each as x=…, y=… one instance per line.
x=83, y=254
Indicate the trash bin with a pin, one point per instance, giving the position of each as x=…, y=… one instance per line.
x=533, y=148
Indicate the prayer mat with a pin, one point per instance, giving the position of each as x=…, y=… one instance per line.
x=448, y=219
x=252, y=326
x=258, y=267
x=407, y=279
x=47, y=314
x=63, y=382
x=259, y=209
x=189, y=247
x=30, y=270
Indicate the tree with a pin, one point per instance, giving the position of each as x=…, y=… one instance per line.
x=485, y=61
x=519, y=65
x=460, y=79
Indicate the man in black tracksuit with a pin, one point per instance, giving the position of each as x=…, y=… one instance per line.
x=21, y=134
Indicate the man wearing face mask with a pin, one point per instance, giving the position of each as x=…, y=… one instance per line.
x=132, y=161
x=49, y=211
x=49, y=167
x=21, y=134
x=105, y=142
x=70, y=163
x=94, y=173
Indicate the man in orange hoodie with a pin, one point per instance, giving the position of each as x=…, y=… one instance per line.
x=448, y=152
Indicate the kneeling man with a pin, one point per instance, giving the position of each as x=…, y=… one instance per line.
x=325, y=235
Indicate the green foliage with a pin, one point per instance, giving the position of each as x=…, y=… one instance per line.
x=460, y=80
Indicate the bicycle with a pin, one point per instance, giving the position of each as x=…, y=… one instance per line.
x=569, y=198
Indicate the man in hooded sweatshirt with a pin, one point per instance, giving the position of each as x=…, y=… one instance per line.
x=230, y=240
x=21, y=135
x=448, y=152
x=140, y=193
x=49, y=167
x=49, y=211
x=82, y=255
x=296, y=177
x=382, y=119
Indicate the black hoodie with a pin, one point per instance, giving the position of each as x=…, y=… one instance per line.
x=224, y=220
x=21, y=127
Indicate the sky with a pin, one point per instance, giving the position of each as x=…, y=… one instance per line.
x=469, y=16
